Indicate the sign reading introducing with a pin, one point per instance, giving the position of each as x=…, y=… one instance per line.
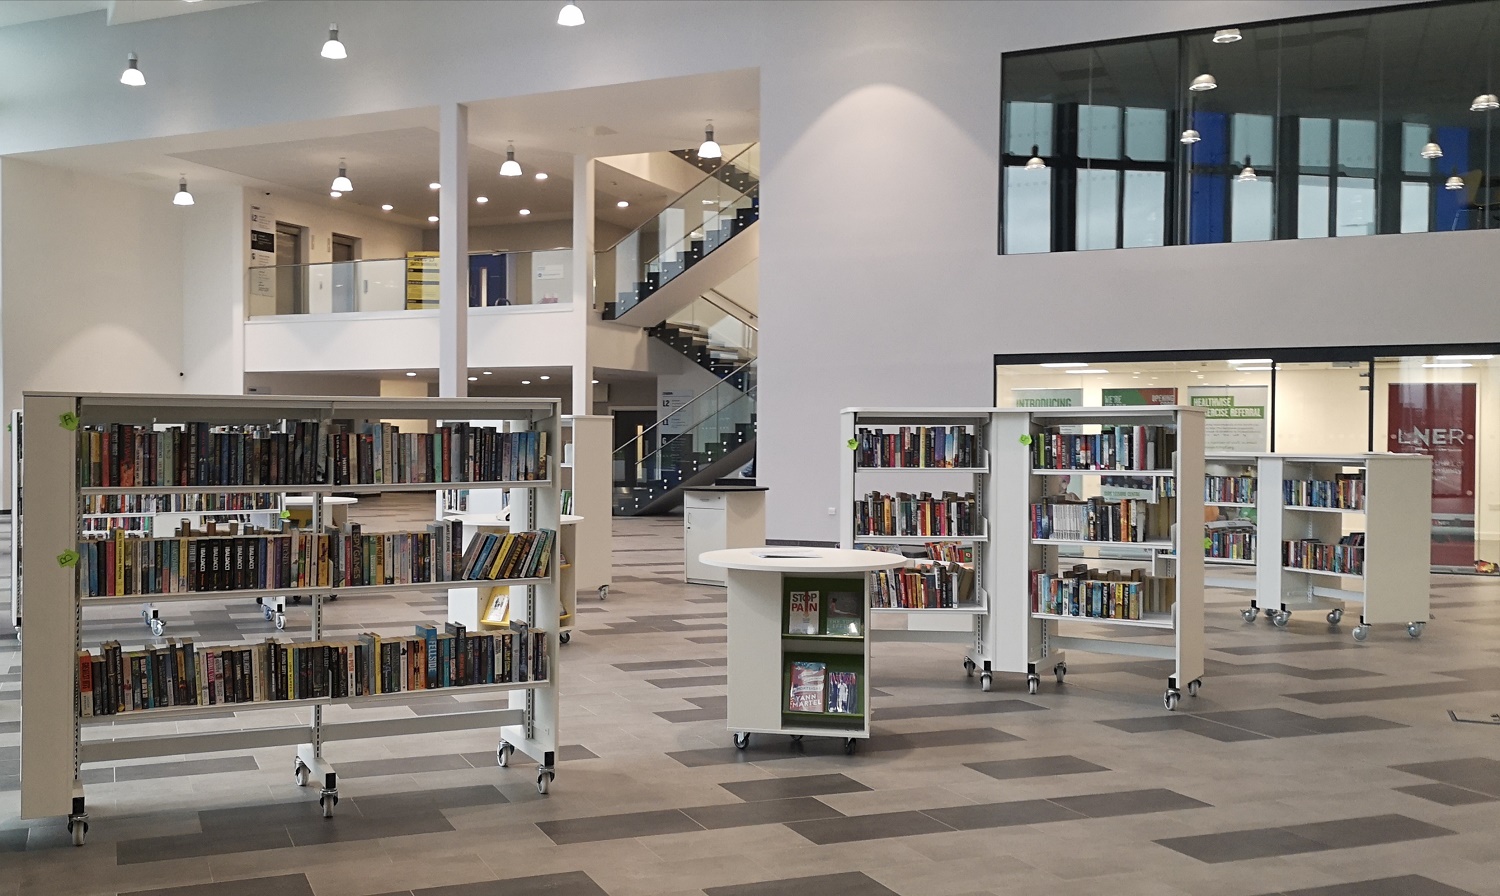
x=1234, y=417
x=1048, y=398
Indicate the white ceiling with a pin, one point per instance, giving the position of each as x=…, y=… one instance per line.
x=121, y=12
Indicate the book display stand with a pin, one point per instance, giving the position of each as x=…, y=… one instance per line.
x=799, y=658
x=191, y=445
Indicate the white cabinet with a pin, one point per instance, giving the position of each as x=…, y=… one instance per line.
x=719, y=517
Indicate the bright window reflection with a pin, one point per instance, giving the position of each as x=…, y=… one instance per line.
x=1097, y=218
x=1145, y=208
x=1028, y=210
x=1312, y=206
x=1250, y=206
x=1414, y=208
x=1356, y=211
x=1098, y=132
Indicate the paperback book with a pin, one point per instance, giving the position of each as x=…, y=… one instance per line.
x=802, y=613
x=843, y=692
x=846, y=616
x=808, y=687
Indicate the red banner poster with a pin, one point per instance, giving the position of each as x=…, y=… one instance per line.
x=1441, y=420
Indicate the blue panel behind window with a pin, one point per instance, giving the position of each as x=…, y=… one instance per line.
x=1209, y=190
x=1450, y=213
x=487, y=280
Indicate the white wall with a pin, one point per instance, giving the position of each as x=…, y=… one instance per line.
x=215, y=252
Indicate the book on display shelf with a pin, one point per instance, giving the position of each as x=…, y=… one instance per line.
x=802, y=613
x=843, y=692
x=949, y=514
x=916, y=447
x=807, y=692
x=845, y=614
x=1101, y=519
x=1115, y=447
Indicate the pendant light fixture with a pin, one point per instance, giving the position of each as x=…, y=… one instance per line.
x=1190, y=136
x=1454, y=183
x=510, y=167
x=1432, y=151
x=1035, y=163
x=1247, y=174
x=333, y=48
x=341, y=184
x=570, y=16
x=1485, y=102
x=709, y=149
x=183, y=197
x=1227, y=35
x=132, y=76
x=1203, y=82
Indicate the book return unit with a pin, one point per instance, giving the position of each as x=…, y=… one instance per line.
x=273, y=446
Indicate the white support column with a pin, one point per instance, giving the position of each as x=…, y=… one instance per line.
x=453, y=251
x=583, y=282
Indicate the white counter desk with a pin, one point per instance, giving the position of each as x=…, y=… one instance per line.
x=823, y=645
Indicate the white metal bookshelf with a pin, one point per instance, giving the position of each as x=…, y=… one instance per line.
x=586, y=473
x=974, y=624
x=1034, y=634
x=53, y=745
x=1390, y=585
x=1232, y=517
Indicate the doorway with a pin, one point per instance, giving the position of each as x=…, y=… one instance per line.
x=345, y=273
x=291, y=269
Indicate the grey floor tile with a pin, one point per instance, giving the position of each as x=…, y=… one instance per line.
x=1035, y=767
x=795, y=786
x=710, y=639
x=367, y=824
x=1406, y=885
x=850, y=883
x=736, y=815
x=615, y=827
x=765, y=748
x=281, y=885
x=182, y=767
x=1189, y=723
x=574, y=753
x=405, y=765
x=946, y=710
x=1478, y=774
x=659, y=665
x=13, y=840
x=678, y=716
x=1308, y=646
x=868, y=827
x=996, y=815
x=1236, y=846
x=1447, y=794
x=1347, y=833
x=567, y=883
x=250, y=838
x=691, y=681
x=1393, y=692
x=434, y=798
x=1128, y=802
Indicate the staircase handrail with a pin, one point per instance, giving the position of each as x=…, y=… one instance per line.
x=741, y=396
x=748, y=313
x=689, y=403
x=707, y=177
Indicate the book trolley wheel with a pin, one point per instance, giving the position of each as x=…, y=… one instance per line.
x=565, y=637
x=502, y=754
x=986, y=681
x=1033, y=681
x=1281, y=618
x=1361, y=632
x=1193, y=687
x=300, y=773
x=603, y=592
x=1170, y=698
x=281, y=622
x=544, y=779
x=850, y=745
x=742, y=739
x=1414, y=629
x=1061, y=671
x=78, y=822
x=1249, y=613
x=969, y=667
x=1335, y=616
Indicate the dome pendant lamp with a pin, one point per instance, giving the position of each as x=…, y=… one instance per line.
x=1190, y=136
x=1432, y=151
x=709, y=149
x=510, y=167
x=1247, y=174
x=342, y=184
x=1485, y=102
x=1203, y=82
x=183, y=197
x=570, y=16
x=333, y=48
x=132, y=76
x=1454, y=183
x=1227, y=35
x=1035, y=163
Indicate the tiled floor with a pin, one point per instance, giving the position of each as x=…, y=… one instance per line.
x=1309, y=765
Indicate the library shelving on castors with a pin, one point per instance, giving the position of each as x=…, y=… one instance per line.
x=587, y=484
x=1106, y=481
x=82, y=446
x=1344, y=530
x=798, y=645
x=1231, y=539
x=917, y=481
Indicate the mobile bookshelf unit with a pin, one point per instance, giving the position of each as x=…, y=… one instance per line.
x=312, y=446
x=785, y=646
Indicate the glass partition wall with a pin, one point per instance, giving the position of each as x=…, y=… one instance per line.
x=1381, y=121
x=1438, y=400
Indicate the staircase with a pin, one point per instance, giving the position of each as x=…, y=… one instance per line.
x=694, y=342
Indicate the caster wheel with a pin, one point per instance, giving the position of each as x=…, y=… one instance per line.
x=281, y=622
x=1361, y=632
x=502, y=754
x=1061, y=671
x=1193, y=687
x=328, y=800
x=796, y=738
x=543, y=780
x=1281, y=619
x=267, y=612
x=1414, y=629
x=79, y=829
x=742, y=740
x=603, y=592
x=1032, y=683
x=296, y=600
x=1249, y=613
x=849, y=746
x=986, y=681
x=333, y=597
x=565, y=637
x=301, y=773
x=1334, y=616
x=969, y=667
x=1169, y=699
x=157, y=627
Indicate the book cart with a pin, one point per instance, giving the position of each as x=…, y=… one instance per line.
x=55, y=729
x=891, y=457
x=1127, y=464
x=481, y=606
x=1231, y=504
x=1341, y=530
x=798, y=655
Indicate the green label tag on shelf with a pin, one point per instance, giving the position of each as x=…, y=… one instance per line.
x=1025, y=440
x=67, y=558
x=286, y=514
x=853, y=444
x=1208, y=543
x=68, y=421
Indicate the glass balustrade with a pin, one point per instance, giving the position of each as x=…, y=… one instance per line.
x=726, y=329
x=496, y=279
x=694, y=436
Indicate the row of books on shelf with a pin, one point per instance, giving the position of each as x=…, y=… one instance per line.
x=1347, y=557
x=1229, y=489
x=202, y=502
x=837, y=613
x=301, y=559
x=920, y=447
x=1103, y=519
x=1082, y=591
x=927, y=585
x=1113, y=448
x=143, y=525
x=304, y=452
x=948, y=514
x=1346, y=492
x=112, y=680
x=813, y=688
x=1229, y=544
